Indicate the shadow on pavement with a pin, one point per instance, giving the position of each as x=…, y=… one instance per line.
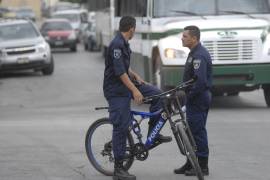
x=62, y=50
x=20, y=74
x=237, y=102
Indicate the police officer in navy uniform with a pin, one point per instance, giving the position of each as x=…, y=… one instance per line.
x=198, y=97
x=119, y=86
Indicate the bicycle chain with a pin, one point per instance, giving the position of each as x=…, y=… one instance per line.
x=140, y=152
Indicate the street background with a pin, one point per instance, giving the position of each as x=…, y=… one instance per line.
x=44, y=119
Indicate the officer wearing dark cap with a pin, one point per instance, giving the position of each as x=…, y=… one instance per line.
x=119, y=86
x=198, y=64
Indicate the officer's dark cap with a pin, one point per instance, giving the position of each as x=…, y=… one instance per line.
x=126, y=23
x=193, y=31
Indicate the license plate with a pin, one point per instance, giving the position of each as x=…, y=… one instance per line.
x=58, y=43
x=23, y=60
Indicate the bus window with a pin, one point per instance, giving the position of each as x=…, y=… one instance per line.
x=130, y=7
x=95, y=5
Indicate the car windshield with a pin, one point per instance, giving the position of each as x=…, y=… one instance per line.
x=24, y=11
x=48, y=26
x=17, y=31
x=70, y=17
x=246, y=6
x=162, y=8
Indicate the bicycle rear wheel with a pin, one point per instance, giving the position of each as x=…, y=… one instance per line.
x=98, y=144
x=189, y=151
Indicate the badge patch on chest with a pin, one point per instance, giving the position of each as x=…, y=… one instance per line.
x=196, y=63
x=117, y=53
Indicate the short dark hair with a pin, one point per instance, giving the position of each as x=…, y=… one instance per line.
x=126, y=23
x=193, y=31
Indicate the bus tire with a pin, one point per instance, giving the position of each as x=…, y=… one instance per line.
x=266, y=90
x=236, y=93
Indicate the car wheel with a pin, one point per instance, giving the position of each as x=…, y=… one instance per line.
x=236, y=93
x=266, y=90
x=85, y=46
x=90, y=44
x=73, y=48
x=91, y=48
x=49, y=69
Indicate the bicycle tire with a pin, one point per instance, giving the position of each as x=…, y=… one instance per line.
x=190, y=136
x=109, y=160
x=189, y=151
x=179, y=142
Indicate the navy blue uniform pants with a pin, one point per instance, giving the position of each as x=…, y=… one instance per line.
x=120, y=116
x=155, y=105
x=197, y=111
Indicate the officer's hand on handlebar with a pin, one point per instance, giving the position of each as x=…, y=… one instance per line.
x=138, y=97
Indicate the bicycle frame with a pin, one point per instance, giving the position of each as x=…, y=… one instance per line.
x=155, y=131
x=165, y=114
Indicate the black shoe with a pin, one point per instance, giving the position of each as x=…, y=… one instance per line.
x=205, y=171
x=163, y=139
x=203, y=162
x=184, y=168
x=121, y=174
x=192, y=172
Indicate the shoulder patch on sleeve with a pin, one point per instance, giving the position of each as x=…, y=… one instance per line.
x=117, y=53
x=189, y=60
x=196, y=63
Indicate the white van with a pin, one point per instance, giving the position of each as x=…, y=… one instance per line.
x=77, y=18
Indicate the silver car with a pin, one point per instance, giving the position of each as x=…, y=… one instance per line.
x=26, y=13
x=23, y=47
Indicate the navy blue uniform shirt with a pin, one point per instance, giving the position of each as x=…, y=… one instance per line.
x=198, y=64
x=117, y=62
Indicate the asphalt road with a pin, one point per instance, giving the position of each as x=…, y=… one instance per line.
x=44, y=119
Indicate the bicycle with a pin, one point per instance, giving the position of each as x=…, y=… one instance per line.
x=100, y=152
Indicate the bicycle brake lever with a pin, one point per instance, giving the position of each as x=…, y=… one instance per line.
x=146, y=100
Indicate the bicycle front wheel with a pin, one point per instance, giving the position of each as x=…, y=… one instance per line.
x=189, y=151
x=98, y=144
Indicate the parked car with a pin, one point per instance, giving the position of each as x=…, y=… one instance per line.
x=62, y=5
x=23, y=47
x=3, y=11
x=77, y=18
x=59, y=33
x=89, y=37
x=26, y=13
x=8, y=13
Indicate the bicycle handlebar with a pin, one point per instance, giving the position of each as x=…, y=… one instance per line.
x=177, y=88
x=150, y=98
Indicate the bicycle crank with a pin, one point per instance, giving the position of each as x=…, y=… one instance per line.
x=140, y=152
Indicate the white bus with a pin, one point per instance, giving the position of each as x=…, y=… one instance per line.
x=236, y=33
